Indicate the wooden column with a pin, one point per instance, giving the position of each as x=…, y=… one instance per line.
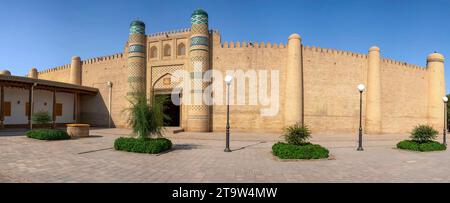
x=30, y=94
x=75, y=107
x=54, y=110
x=2, y=106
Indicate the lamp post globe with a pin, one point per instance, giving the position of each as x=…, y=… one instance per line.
x=361, y=87
x=228, y=80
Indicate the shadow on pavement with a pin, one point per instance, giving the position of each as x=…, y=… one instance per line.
x=90, y=137
x=251, y=145
x=185, y=146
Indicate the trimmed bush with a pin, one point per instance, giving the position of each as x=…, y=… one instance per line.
x=304, y=151
x=297, y=134
x=142, y=145
x=421, y=146
x=422, y=140
x=423, y=133
x=41, y=117
x=48, y=134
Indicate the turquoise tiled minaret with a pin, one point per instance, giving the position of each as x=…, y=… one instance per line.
x=199, y=115
x=136, y=61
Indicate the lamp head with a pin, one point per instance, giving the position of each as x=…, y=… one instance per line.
x=445, y=99
x=361, y=88
x=228, y=79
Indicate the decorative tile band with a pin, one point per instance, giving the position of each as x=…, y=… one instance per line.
x=206, y=50
x=199, y=41
x=142, y=57
x=136, y=48
x=137, y=30
x=199, y=19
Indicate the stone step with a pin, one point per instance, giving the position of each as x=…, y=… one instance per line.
x=174, y=130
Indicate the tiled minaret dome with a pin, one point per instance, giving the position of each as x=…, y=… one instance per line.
x=199, y=110
x=137, y=58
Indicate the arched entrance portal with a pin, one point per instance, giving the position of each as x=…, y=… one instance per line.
x=163, y=87
x=173, y=111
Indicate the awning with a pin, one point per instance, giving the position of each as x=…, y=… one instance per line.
x=25, y=82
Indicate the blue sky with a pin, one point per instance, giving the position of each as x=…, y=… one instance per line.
x=46, y=33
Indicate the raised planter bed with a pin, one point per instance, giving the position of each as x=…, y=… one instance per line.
x=78, y=130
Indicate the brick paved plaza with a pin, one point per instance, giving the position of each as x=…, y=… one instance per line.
x=200, y=158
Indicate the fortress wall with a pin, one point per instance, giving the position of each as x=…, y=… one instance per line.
x=404, y=101
x=171, y=33
x=241, y=56
x=60, y=74
x=331, y=99
x=97, y=72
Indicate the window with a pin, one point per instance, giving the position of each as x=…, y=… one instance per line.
x=167, y=51
x=153, y=52
x=58, y=109
x=181, y=49
x=7, y=110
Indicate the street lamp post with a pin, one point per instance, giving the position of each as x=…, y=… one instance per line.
x=444, y=132
x=228, y=80
x=361, y=89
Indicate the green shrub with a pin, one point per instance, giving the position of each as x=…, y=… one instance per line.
x=432, y=146
x=146, y=119
x=422, y=140
x=48, y=134
x=297, y=134
x=423, y=133
x=409, y=145
x=142, y=145
x=41, y=117
x=421, y=146
x=303, y=151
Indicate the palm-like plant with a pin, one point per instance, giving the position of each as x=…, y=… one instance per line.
x=297, y=134
x=145, y=119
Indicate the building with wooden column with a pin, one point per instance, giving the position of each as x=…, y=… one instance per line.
x=60, y=100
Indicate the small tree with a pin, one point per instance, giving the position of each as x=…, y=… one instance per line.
x=41, y=117
x=297, y=134
x=146, y=119
x=423, y=133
